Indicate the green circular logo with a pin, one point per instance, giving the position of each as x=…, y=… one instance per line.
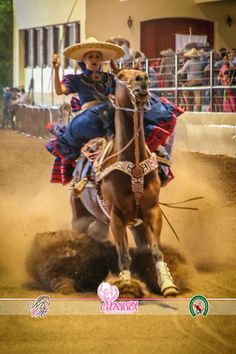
x=198, y=305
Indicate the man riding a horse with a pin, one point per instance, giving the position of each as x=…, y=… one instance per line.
x=128, y=180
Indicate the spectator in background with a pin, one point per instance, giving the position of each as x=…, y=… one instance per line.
x=218, y=60
x=229, y=101
x=225, y=66
x=153, y=73
x=227, y=78
x=7, y=94
x=127, y=59
x=194, y=68
x=218, y=94
x=222, y=52
x=233, y=57
x=139, y=58
x=167, y=67
x=205, y=59
x=23, y=97
x=14, y=101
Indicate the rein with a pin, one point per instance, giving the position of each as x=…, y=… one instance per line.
x=174, y=205
x=138, y=170
x=135, y=110
x=120, y=151
x=126, y=109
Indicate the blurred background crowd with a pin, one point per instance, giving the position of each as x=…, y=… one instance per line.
x=197, y=79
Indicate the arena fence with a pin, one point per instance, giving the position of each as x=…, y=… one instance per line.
x=197, y=130
x=165, y=80
x=208, y=133
x=33, y=120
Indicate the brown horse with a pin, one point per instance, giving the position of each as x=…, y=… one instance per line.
x=130, y=183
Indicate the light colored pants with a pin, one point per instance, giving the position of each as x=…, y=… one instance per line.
x=192, y=98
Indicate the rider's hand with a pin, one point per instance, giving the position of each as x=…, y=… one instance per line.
x=55, y=61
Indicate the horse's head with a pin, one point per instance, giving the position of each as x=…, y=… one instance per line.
x=138, y=83
x=136, y=80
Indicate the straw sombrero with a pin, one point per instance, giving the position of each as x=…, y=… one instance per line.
x=192, y=53
x=167, y=53
x=109, y=50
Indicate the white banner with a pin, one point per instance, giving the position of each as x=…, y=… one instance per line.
x=181, y=40
x=84, y=307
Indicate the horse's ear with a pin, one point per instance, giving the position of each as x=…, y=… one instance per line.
x=138, y=66
x=114, y=67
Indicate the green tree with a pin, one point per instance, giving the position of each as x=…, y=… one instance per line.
x=6, y=43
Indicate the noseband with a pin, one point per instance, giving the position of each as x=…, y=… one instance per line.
x=132, y=97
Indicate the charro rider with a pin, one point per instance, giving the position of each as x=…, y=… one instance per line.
x=93, y=86
x=96, y=119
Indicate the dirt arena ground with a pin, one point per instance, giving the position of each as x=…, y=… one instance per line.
x=30, y=204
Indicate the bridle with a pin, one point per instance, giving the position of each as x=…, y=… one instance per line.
x=132, y=99
x=137, y=129
x=136, y=170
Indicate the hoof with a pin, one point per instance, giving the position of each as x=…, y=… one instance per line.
x=132, y=288
x=63, y=285
x=170, y=292
x=125, y=275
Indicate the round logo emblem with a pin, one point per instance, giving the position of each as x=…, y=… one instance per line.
x=198, y=305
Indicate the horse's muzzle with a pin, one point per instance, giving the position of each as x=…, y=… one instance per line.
x=141, y=95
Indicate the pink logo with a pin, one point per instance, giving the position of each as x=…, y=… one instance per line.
x=108, y=294
x=39, y=307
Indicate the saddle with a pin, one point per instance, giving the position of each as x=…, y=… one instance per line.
x=88, y=173
x=92, y=153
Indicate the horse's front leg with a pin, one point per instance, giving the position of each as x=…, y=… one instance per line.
x=118, y=228
x=153, y=222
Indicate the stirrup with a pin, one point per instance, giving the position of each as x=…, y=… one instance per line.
x=78, y=188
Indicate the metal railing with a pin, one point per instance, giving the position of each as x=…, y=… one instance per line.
x=208, y=96
x=209, y=92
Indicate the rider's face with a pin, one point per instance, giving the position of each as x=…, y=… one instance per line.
x=93, y=60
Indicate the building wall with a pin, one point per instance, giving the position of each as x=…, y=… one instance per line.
x=107, y=18
x=35, y=13
x=39, y=13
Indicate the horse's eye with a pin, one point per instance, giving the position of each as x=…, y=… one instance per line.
x=120, y=76
x=138, y=78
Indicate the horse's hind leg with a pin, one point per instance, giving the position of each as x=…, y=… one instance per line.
x=98, y=230
x=81, y=218
x=139, y=234
x=153, y=222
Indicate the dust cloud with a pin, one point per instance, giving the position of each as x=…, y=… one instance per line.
x=30, y=204
x=206, y=234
